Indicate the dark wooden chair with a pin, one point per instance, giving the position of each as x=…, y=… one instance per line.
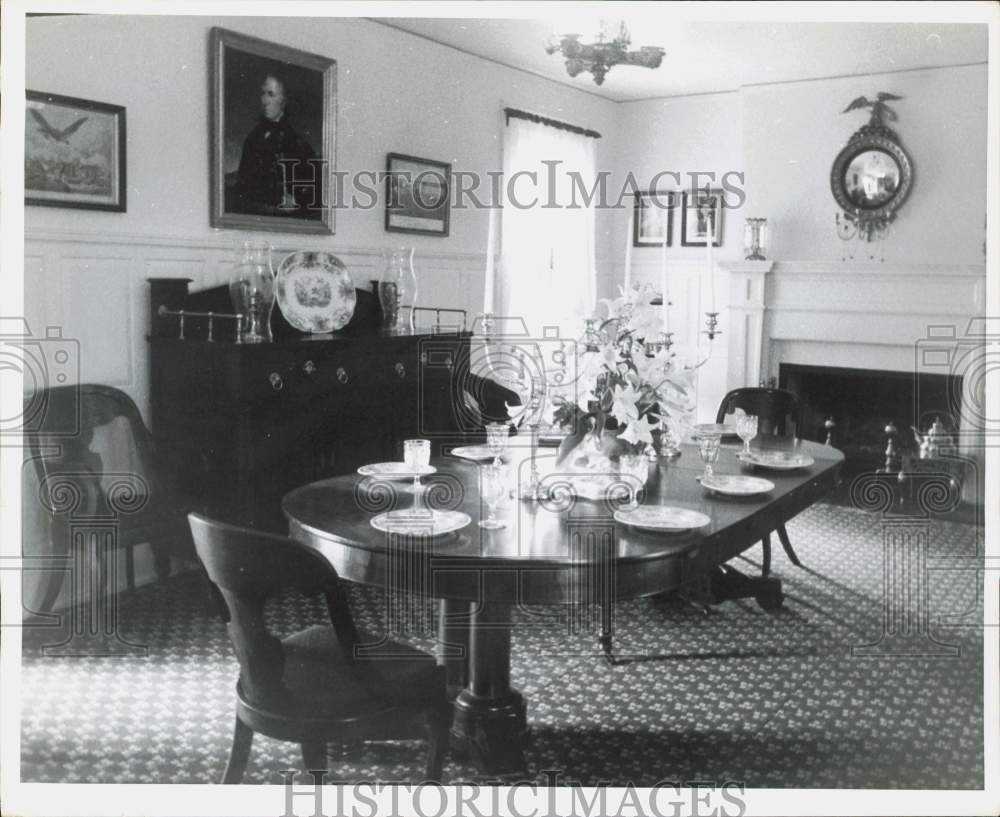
x=315, y=686
x=779, y=413
x=95, y=464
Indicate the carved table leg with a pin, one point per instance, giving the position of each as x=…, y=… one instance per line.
x=490, y=724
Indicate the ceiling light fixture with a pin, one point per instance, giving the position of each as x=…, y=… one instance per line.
x=610, y=49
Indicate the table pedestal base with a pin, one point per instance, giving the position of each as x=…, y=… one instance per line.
x=491, y=732
x=490, y=721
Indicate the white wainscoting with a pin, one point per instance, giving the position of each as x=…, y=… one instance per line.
x=94, y=289
x=690, y=295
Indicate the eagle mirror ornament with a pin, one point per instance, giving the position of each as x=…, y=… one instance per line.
x=871, y=176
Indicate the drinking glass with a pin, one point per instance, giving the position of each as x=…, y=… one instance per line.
x=417, y=456
x=496, y=439
x=746, y=427
x=708, y=448
x=492, y=487
x=633, y=469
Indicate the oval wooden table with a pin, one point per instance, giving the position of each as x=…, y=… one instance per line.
x=557, y=551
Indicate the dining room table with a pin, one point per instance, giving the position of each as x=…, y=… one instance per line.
x=560, y=549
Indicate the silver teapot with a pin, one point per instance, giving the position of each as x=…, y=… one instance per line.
x=936, y=441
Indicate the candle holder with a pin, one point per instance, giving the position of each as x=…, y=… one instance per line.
x=712, y=321
x=669, y=445
x=488, y=324
x=755, y=239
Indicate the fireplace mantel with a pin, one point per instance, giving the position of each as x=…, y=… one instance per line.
x=836, y=314
x=747, y=304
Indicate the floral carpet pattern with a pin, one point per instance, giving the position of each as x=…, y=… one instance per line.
x=767, y=699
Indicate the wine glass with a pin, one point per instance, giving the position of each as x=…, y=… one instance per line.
x=746, y=427
x=417, y=456
x=633, y=469
x=496, y=439
x=492, y=487
x=708, y=449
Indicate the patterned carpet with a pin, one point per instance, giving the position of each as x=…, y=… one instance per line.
x=768, y=699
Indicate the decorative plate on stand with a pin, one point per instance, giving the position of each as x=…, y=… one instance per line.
x=315, y=292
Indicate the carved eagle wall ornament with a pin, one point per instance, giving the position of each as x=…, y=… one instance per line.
x=880, y=111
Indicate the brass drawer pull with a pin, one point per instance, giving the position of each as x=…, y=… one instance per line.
x=309, y=367
x=276, y=382
x=400, y=370
x=342, y=374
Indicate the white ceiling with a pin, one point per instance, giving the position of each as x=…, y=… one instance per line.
x=713, y=56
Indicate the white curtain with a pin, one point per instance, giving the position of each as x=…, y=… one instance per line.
x=547, y=266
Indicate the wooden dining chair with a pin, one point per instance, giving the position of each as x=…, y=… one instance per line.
x=779, y=414
x=315, y=686
x=94, y=463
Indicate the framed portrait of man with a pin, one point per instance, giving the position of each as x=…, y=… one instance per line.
x=273, y=124
x=701, y=219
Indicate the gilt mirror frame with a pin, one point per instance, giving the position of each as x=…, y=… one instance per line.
x=871, y=221
x=858, y=145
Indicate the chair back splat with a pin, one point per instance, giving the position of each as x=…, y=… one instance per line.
x=310, y=687
x=779, y=412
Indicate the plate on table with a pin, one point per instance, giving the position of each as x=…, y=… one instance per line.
x=662, y=518
x=717, y=429
x=776, y=460
x=418, y=522
x=315, y=292
x=736, y=484
x=395, y=470
x=476, y=453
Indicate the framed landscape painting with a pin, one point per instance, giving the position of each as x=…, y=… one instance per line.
x=701, y=218
x=273, y=120
x=418, y=193
x=74, y=153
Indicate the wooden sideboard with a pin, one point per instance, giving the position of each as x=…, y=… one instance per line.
x=239, y=425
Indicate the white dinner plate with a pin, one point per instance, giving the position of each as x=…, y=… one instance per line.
x=736, y=484
x=315, y=292
x=420, y=522
x=394, y=470
x=662, y=518
x=476, y=453
x=718, y=429
x=776, y=460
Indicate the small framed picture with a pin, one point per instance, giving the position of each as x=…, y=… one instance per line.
x=74, y=153
x=418, y=193
x=701, y=218
x=652, y=210
x=273, y=123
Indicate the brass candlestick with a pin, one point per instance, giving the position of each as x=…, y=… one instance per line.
x=712, y=321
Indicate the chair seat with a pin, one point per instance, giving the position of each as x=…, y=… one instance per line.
x=317, y=685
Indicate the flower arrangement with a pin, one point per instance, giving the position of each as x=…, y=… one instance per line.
x=626, y=384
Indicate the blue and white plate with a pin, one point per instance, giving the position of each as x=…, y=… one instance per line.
x=315, y=292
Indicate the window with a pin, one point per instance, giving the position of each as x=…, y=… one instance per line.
x=547, y=268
